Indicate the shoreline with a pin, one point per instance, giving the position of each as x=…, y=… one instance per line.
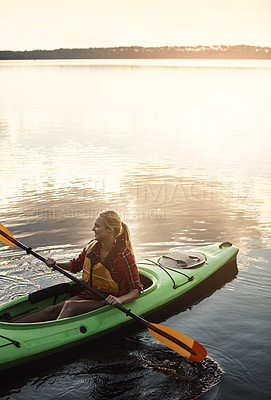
x=137, y=53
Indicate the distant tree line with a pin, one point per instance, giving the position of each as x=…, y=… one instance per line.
x=135, y=52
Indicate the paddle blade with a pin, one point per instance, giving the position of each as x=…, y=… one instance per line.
x=179, y=342
x=4, y=239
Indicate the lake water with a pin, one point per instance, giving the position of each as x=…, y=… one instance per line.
x=181, y=149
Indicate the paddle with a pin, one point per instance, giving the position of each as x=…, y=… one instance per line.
x=173, y=339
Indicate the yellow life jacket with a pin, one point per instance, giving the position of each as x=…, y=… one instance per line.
x=98, y=275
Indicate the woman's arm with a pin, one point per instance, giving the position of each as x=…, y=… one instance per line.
x=74, y=265
x=126, y=298
x=67, y=265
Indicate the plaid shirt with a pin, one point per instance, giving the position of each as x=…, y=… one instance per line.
x=123, y=270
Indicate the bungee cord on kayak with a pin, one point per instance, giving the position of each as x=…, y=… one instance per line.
x=165, y=269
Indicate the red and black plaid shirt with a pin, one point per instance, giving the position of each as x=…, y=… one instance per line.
x=123, y=270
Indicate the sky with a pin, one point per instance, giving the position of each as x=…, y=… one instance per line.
x=52, y=24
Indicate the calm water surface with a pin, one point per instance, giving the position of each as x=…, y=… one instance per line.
x=182, y=150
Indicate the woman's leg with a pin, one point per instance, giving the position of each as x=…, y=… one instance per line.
x=77, y=306
x=68, y=308
x=47, y=314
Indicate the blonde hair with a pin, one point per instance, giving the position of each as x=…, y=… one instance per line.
x=121, y=231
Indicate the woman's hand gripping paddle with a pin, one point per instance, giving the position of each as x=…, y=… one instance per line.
x=171, y=338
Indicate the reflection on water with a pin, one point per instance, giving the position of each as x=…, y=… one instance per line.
x=161, y=209
x=156, y=143
x=182, y=152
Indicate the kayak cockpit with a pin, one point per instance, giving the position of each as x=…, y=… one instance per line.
x=47, y=297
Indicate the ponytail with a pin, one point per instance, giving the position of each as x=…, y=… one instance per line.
x=126, y=237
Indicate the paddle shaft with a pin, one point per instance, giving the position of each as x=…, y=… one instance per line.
x=83, y=284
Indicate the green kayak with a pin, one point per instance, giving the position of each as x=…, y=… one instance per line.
x=165, y=279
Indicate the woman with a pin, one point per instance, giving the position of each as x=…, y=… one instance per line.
x=108, y=266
